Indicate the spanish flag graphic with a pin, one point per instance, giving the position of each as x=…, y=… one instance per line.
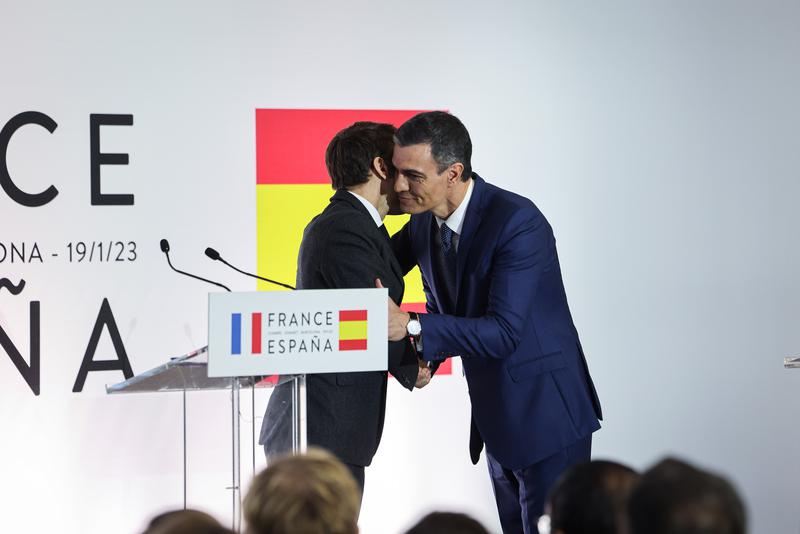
x=292, y=186
x=353, y=330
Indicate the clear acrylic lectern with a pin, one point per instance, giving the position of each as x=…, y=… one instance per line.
x=190, y=373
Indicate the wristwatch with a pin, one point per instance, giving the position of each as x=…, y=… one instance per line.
x=414, y=328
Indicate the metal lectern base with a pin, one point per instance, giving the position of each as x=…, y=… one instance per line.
x=190, y=373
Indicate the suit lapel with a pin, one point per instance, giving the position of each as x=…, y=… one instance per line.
x=388, y=254
x=378, y=234
x=421, y=241
x=472, y=220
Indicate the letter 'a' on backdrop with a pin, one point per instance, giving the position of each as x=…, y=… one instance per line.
x=308, y=331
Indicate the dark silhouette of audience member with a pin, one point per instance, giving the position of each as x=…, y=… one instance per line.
x=591, y=498
x=185, y=522
x=674, y=497
x=447, y=523
x=313, y=493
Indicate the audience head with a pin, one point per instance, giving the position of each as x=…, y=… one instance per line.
x=591, y=498
x=447, y=523
x=313, y=493
x=185, y=522
x=674, y=497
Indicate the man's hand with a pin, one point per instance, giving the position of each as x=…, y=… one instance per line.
x=398, y=319
x=424, y=375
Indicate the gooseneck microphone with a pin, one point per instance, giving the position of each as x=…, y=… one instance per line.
x=214, y=255
x=165, y=250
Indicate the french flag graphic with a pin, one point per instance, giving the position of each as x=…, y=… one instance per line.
x=255, y=333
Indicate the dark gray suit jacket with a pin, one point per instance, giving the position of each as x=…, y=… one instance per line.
x=343, y=248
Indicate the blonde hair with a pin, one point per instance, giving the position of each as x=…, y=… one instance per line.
x=313, y=493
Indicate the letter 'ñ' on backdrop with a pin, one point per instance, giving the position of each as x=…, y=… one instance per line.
x=292, y=186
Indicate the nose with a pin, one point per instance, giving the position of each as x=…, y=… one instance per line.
x=400, y=183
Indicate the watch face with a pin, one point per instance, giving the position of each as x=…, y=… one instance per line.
x=413, y=327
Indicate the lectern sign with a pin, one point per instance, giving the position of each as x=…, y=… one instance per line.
x=290, y=332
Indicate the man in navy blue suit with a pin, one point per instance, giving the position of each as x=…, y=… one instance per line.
x=496, y=299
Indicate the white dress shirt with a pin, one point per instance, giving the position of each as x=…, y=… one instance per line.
x=370, y=208
x=456, y=220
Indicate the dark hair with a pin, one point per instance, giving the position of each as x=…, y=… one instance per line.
x=351, y=151
x=185, y=522
x=447, y=136
x=674, y=497
x=591, y=498
x=447, y=523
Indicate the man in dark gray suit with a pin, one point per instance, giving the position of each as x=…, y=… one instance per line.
x=347, y=246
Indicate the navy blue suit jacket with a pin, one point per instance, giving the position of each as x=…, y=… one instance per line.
x=528, y=381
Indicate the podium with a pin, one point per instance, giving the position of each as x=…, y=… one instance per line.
x=190, y=373
x=282, y=334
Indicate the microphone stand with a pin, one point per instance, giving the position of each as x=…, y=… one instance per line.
x=214, y=255
x=165, y=250
x=235, y=430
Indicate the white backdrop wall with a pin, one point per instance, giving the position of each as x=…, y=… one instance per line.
x=660, y=139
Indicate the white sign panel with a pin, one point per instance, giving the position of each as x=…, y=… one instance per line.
x=290, y=332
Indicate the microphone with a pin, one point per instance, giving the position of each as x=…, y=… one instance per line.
x=214, y=255
x=165, y=249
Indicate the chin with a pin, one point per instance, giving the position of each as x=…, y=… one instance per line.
x=411, y=208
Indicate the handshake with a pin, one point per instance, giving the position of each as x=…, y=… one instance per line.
x=398, y=323
x=424, y=375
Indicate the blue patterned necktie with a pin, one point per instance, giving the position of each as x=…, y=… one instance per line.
x=445, y=269
x=446, y=235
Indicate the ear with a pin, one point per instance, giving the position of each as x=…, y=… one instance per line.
x=380, y=168
x=454, y=173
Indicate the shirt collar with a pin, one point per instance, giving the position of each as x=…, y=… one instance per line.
x=456, y=219
x=373, y=211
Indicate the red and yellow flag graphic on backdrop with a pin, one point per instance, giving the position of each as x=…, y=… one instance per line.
x=292, y=186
